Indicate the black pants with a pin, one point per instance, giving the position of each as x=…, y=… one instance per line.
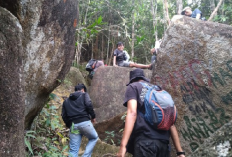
x=151, y=148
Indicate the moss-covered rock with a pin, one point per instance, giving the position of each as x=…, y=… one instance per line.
x=101, y=149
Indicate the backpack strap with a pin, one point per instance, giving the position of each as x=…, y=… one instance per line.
x=94, y=64
x=144, y=84
x=156, y=87
x=147, y=86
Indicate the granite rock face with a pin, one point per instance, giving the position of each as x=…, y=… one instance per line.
x=219, y=144
x=11, y=86
x=107, y=91
x=49, y=30
x=195, y=66
x=36, y=48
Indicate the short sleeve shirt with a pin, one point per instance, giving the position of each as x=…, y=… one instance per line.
x=119, y=56
x=141, y=127
x=195, y=12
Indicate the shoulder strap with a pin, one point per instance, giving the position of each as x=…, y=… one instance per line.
x=94, y=64
x=144, y=84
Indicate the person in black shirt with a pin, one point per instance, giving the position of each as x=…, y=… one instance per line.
x=139, y=138
x=76, y=113
x=120, y=58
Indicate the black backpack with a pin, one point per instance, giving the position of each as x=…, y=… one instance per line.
x=91, y=65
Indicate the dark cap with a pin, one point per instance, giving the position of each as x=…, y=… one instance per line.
x=80, y=86
x=137, y=73
x=119, y=44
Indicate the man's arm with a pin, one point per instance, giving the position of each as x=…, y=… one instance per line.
x=114, y=61
x=198, y=13
x=129, y=125
x=64, y=115
x=176, y=140
x=89, y=106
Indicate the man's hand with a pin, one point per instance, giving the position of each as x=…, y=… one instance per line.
x=181, y=155
x=122, y=152
x=93, y=120
x=198, y=16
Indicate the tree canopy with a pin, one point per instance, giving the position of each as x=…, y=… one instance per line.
x=137, y=23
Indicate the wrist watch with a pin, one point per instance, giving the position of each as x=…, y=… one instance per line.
x=180, y=153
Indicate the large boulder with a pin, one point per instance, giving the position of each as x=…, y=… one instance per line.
x=195, y=66
x=107, y=91
x=11, y=86
x=36, y=48
x=219, y=144
x=49, y=31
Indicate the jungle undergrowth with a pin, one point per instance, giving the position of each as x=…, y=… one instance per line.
x=48, y=137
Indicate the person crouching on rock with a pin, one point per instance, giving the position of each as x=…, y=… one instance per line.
x=187, y=11
x=120, y=58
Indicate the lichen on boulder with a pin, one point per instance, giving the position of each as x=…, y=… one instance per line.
x=195, y=66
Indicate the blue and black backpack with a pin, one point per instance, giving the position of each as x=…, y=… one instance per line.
x=160, y=110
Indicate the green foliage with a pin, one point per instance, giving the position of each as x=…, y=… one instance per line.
x=113, y=137
x=73, y=130
x=110, y=136
x=88, y=32
x=67, y=82
x=124, y=117
x=225, y=13
x=48, y=136
x=53, y=96
x=81, y=67
x=27, y=137
x=111, y=20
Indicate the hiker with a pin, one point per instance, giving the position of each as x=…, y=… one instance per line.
x=154, y=52
x=92, y=66
x=187, y=11
x=120, y=59
x=139, y=137
x=76, y=112
x=98, y=64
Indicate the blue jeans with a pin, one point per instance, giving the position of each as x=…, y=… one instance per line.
x=153, y=58
x=85, y=128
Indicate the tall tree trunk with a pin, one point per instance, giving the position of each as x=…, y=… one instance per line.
x=223, y=11
x=77, y=50
x=87, y=9
x=133, y=30
x=102, y=50
x=212, y=5
x=179, y=6
x=215, y=10
x=96, y=48
x=79, y=38
x=153, y=12
x=111, y=56
x=108, y=45
x=165, y=10
x=92, y=49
